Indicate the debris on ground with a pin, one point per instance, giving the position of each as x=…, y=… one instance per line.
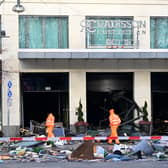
x=84, y=151
x=60, y=150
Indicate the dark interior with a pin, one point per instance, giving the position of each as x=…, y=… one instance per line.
x=105, y=91
x=159, y=81
x=48, y=92
x=45, y=93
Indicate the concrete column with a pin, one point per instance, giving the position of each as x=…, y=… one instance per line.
x=10, y=77
x=142, y=90
x=76, y=32
x=142, y=34
x=10, y=104
x=77, y=91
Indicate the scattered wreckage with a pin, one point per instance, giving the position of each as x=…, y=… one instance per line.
x=88, y=150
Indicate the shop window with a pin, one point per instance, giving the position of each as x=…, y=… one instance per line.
x=159, y=32
x=109, y=32
x=43, y=32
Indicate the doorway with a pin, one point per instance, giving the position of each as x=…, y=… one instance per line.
x=159, y=88
x=105, y=91
x=44, y=93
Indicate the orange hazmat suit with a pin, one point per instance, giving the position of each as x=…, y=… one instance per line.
x=50, y=125
x=115, y=121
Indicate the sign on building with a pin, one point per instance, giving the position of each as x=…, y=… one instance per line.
x=109, y=32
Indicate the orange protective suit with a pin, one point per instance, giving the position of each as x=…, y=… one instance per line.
x=50, y=125
x=115, y=121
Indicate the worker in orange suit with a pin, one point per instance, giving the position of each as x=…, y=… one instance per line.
x=50, y=125
x=115, y=121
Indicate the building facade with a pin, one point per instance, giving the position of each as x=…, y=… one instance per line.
x=58, y=52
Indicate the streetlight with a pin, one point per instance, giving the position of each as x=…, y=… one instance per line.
x=18, y=7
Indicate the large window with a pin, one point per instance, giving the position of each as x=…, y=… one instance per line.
x=43, y=32
x=159, y=32
x=109, y=32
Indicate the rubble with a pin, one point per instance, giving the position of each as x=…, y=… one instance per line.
x=88, y=150
x=84, y=151
x=144, y=146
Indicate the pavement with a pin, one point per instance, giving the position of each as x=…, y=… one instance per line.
x=87, y=164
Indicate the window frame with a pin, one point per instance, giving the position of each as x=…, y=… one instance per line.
x=157, y=17
x=110, y=17
x=46, y=16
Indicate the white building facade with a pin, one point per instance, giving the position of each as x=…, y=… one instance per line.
x=58, y=52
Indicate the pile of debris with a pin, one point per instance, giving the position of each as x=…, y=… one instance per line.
x=87, y=150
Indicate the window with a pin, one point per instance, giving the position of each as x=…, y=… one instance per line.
x=109, y=32
x=159, y=32
x=43, y=32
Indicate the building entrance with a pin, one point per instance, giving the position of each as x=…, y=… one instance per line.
x=159, y=81
x=44, y=93
x=105, y=91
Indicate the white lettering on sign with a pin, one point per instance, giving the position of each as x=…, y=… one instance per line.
x=115, y=32
x=93, y=25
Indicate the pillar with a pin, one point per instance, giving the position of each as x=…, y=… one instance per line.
x=10, y=76
x=142, y=90
x=142, y=34
x=77, y=91
x=76, y=32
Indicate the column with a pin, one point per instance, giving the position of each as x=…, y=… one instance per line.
x=142, y=34
x=77, y=91
x=10, y=76
x=142, y=90
x=76, y=32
